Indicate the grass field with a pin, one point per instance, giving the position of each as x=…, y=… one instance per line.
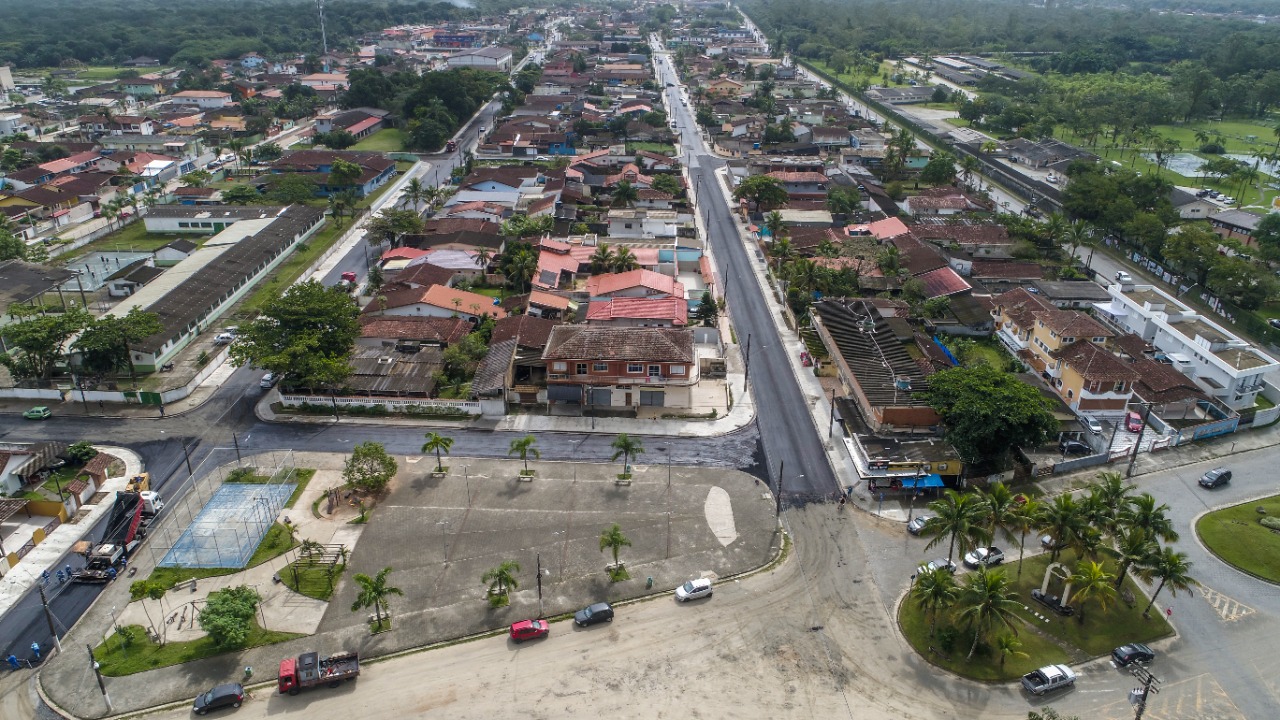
x=101, y=73
x=386, y=140
x=660, y=148
x=130, y=238
x=116, y=659
x=311, y=580
x=1237, y=538
x=1251, y=196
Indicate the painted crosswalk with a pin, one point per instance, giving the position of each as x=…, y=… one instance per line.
x=1230, y=610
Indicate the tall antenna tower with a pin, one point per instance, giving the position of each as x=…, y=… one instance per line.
x=324, y=37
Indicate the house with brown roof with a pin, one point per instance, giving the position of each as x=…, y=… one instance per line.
x=620, y=368
x=400, y=332
x=633, y=284
x=639, y=312
x=436, y=301
x=375, y=169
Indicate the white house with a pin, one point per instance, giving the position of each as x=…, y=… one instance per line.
x=203, y=99
x=642, y=223
x=1223, y=365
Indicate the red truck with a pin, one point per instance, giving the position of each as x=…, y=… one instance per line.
x=450, y=146
x=309, y=670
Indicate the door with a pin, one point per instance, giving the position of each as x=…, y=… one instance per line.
x=653, y=398
x=600, y=396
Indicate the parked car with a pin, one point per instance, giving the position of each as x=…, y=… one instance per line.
x=1274, y=322
x=529, y=630
x=1049, y=677
x=1093, y=423
x=694, y=589
x=1126, y=655
x=228, y=695
x=592, y=614
x=1074, y=447
x=987, y=556
x=1215, y=477
x=916, y=526
x=268, y=381
x=223, y=338
x=935, y=564
x=39, y=412
x=1133, y=422
x=1124, y=277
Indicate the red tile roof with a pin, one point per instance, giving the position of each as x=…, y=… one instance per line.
x=1073, y=324
x=1095, y=363
x=394, y=327
x=1000, y=269
x=599, y=285
x=943, y=281
x=578, y=342
x=526, y=330
x=669, y=308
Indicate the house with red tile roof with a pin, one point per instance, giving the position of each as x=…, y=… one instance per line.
x=634, y=284
x=624, y=368
x=399, y=331
x=639, y=312
x=436, y=301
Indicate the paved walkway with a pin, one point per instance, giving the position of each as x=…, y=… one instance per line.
x=46, y=555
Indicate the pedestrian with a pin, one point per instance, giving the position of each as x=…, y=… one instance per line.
x=101, y=407
x=13, y=661
x=35, y=648
x=162, y=411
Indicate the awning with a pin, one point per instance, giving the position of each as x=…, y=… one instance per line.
x=927, y=481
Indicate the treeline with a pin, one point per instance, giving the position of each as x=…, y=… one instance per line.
x=51, y=33
x=431, y=106
x=1090, y=39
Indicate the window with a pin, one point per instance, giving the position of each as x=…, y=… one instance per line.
x=599, y=367
x=559, y=366
x=635, y=368
x=677, y=369
x=581, y=369
x=627, y=225
x=1099, y=340
x=184, y=224
x=655, y=371
x=1120, y=387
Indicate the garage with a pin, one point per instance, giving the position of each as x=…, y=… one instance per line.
x=564, y=394
x=653, y=398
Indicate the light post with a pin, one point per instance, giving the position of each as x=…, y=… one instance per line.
x=1137, y=446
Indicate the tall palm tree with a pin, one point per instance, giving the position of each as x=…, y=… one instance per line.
x=437, y=443
x=1112, y=492
x=1024, y=519
x=502, y=579
x=969, y=165
x=236, y=146
x=374, y=592
x=624, y=260
x=998, y=507
x=1054, y=228
x=626, y=447
x=1134, y=548
x=614, y=540
x=625, y=194
x=776, y=226
x=521, y=268
x=1078, y=233
x=1170, y=568
x=957, y=517
x=1088, y=542
x=987, y=598
x=602, y=259
x=524, y=447
x=484, y=256
x=1091, y=582
x=934, y=591
x=1143, y=512
x=1063, y=521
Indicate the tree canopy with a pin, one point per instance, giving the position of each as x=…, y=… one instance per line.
x=986, y=411
x=370, y=467
x=228, y=615
x=305, y=336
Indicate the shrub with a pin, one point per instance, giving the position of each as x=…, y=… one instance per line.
x=1270, y=522
x=81, y=452
x=1212, y=148
x=947, y=638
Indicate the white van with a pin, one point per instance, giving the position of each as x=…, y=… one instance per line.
x=1124, y=277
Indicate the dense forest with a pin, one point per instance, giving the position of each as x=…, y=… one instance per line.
x=50, y=33
x=1093, y=38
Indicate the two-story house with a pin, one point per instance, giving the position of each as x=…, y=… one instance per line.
x=203, y=99
x=633, y=284
x=620, y=367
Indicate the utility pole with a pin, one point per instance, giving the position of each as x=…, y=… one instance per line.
x=1137, y=446
x=1138, y=696
x=539, y=585
x=101, y=685
x=48, y=616
x=746, y=373
x=831, y=424
x=781, y=464
x=234, y=441
x=186, y=454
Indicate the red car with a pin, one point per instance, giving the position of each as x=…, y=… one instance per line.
x=529, y=630
x=1133, y=422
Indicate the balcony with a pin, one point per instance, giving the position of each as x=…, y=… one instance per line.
x=621, y=379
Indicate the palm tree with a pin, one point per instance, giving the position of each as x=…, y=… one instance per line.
x=437, y=443
x=1091, y=582
x=957, y=516
x=1112, y=492
x=624, y=260
x=1077, y=234
x=1024, y=519
x=625, y=193
x=1009, y=646
x=502, y=579
x=969, y=165
x=775, y=224
x=626, y=448
x=933, y=591
x=521, y=268
x=1063, y=521
x=1054, y=228
x=998, y=507
x=414, y=192
x=374, y=592
x=1134, y=548
x=613, y=539
x=601, y=259
x=986, y=598
x=111, y=211
x=484, y=256
x=1088, y=542
x=1142, y=512
x=1170, y=568
x=524, y=448
x=236, y=145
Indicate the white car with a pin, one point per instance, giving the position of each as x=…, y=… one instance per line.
x=1091, y=422
x=694, y=589
x=268, y=381
x=224, y=338
x=987, y=556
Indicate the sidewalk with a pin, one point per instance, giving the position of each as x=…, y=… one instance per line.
x=45, y=556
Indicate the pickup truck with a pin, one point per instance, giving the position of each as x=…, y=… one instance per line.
x=309, y=670
x=1049, y=677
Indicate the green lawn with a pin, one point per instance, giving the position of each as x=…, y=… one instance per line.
x=1251, y=195
x=985, y=666
x=1237, y=538
x=101, y=73
x=385, y=140
x=660, y=148
x=311, y=580
x=142, y=655
x=1235, y=132
x=131, y=238
x=292, y=268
